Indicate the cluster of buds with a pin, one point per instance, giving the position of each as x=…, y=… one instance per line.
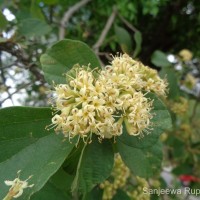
x=179, y=106
x=120, y=174
x=98, y=102
x=186, y=131
x=137, y=193
x=121, y=178
x=190, y=81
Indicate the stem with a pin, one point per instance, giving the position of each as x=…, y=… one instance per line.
x=7, y=197
x=194, y=110
x=75, y=181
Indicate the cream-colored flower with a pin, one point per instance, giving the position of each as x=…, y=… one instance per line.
x=17, y=187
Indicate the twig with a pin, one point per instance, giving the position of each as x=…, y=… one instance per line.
x=68, y=15
x=2, y=71
x=193, y=151
x=16, y=91
x=35, y=70
x=128, y=24
x=105, y=30
x=9, y=94
x=4, y=80
x=16, y=51
x=9, y=66
x=51, y=14
x=107, y=55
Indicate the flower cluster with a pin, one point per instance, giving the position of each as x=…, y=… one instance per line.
x=99, y=102
x=131, y=73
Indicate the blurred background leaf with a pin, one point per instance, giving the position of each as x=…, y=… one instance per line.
x=159, y=59
x=124, y=39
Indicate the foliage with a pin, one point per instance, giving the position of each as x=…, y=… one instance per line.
x=95, y=160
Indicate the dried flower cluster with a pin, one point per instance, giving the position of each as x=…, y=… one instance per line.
x=100, y=101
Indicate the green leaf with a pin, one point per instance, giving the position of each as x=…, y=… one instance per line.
x=3, y=21
x=138, y=41
x=124, y=39
x=71, y=163
x=49, y=2
x=50, y=192
x=159, y=59
x=58, y=187
x=172, y=79
x=35, y=11
x=62, y=180
x=121, y=195
x=161, y=121
x=184, y=168
x=142, y=162
x=96, y=194
x=25, y=145
x=96, y=164
x=33, y=27
x=40, y=159
x=33, y=120
x=20, y=127
x=62, y=56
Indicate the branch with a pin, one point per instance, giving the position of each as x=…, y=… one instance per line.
x=67, y=16
x=193, y=151
x=36, y=72
x=9, y=66
x=2, y=71
x=105, y=30
x=128, y=24
x=16, y=51
x=107, y=55
x=16, y=91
